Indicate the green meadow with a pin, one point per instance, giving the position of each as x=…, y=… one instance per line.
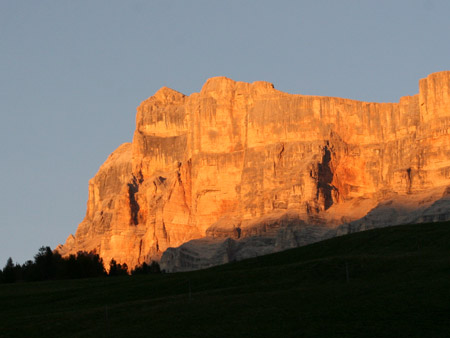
x=391, y=282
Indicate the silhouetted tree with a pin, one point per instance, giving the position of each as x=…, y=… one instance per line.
x=50, y=265
x=146, y=269
x=71, y=268
x=117, y=269
x=89, y=265
x=47, y=263
x=8, y=275
x=154, y=267
x=140, y=270
x=83, y=265
x=28, y=270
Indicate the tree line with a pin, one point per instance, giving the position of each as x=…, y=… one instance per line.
x=49, y=265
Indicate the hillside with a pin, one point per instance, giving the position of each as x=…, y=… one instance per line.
x=391, y=282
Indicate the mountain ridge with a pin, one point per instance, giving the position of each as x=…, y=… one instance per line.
x=237, y=159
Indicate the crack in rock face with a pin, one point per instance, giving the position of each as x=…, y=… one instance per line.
x=325, y=178
x=133, y=188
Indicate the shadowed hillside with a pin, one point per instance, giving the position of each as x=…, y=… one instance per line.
x=391, y=282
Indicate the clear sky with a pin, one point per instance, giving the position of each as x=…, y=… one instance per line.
x=73, y=72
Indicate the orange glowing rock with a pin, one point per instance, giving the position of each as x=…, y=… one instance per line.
x=235, y=158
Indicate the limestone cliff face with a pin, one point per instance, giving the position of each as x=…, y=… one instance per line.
x=236, y=158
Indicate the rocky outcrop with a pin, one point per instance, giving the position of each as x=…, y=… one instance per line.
x=289, y=231
x=244, y=169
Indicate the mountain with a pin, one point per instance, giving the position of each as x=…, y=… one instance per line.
x=239, y=170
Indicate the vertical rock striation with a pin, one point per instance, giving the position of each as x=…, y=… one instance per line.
x=251, y=170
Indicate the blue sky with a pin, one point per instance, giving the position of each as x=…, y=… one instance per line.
x=73, y=72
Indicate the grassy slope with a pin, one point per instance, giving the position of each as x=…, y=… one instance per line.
x=399, y=286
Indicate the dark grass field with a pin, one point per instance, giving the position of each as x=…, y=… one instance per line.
x=391, y=282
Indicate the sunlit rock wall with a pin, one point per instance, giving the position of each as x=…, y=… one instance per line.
x=234, y=159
